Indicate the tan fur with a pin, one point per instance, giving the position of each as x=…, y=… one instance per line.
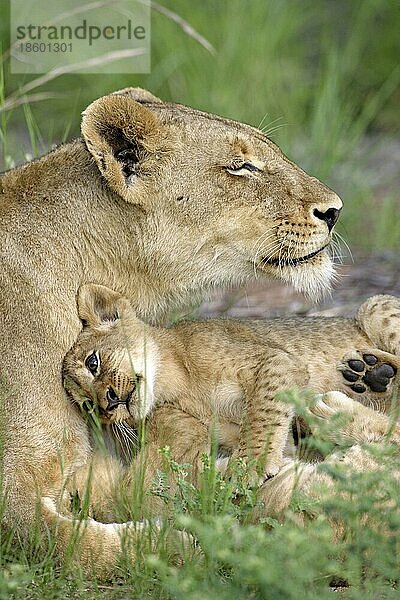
x=152, y=202
x=189, y=438
x=365, y=425
x=226, y=373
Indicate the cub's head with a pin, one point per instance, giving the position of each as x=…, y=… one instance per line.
x=112, y=365
x=217, y=202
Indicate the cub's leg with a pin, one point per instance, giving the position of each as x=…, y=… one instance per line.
x=364, y=425
x=379, y=317
x=267, y=420
x=188, y=438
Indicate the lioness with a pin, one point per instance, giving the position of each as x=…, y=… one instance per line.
x=228, y=369
x=161, y=203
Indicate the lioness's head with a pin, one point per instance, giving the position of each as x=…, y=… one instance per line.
x=112, y=365
x=217, y=201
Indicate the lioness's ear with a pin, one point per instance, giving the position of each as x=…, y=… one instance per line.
x=98, y=303
x=120, y=133
x=138, y=94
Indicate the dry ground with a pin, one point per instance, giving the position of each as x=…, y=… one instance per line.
x=377, y=273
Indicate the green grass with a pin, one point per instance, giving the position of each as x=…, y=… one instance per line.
x=236, y=558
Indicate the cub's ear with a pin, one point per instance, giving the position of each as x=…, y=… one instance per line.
x=138, y=94
x=120, y=133
x=98, y=303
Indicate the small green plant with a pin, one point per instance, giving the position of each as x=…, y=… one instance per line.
x=214, y=494
x=348, y=536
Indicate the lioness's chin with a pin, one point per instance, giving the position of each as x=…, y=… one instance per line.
x=312, y=277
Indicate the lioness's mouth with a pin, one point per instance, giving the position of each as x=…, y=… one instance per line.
x=291, y=262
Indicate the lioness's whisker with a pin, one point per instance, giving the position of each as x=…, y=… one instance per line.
x=264, y=237
x=267, y=250
x=270, y=251
x=341, y=239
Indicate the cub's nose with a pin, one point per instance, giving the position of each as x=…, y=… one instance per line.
x=113, y=399
x=330, y=216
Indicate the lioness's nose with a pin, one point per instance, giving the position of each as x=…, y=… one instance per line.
x=330, y=216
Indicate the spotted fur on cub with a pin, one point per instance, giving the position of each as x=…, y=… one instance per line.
x=222, y=371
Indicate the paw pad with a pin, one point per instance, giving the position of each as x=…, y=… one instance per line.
x=368, y=373
x=357, y=365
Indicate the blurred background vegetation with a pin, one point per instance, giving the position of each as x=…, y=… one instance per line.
x=320, y=76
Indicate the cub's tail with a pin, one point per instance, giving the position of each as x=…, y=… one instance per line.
x=379, y=318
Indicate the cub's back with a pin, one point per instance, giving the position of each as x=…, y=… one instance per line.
x=303, y=338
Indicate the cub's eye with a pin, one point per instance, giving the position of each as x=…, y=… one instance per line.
x=92, y=363
x=240, y=169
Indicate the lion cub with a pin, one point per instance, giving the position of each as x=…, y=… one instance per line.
x=227, y=371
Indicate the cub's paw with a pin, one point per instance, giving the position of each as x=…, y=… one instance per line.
x=327, y=405
x=254, y=474
x=362, y=423
x=364, y=372
x=256, y=479
x=273, y=469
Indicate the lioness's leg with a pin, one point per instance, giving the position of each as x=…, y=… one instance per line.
x=96, y=485
x=42, y=452
x=363, y=424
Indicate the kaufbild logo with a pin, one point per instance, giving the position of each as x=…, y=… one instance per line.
x=99, y=37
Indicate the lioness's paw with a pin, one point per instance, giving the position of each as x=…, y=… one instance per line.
x=364, y=372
